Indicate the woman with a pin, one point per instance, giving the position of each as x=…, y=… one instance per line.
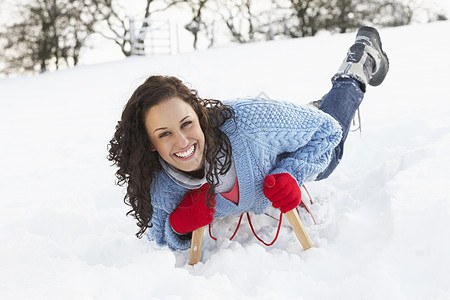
x=186, y=160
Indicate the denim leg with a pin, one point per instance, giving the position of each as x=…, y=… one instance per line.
x=341, y=103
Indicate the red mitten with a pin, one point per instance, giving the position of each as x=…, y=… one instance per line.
x=192, y=213
x=283, y=191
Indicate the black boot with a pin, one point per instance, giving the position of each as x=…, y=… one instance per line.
x=365, y=61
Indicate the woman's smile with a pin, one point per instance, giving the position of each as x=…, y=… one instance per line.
x=186, y=154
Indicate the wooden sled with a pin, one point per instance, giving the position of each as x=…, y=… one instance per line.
x=294, y=221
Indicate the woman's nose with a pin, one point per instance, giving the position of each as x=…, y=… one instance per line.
x=182, y=141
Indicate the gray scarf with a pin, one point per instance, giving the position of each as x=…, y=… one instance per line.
x=226, y=182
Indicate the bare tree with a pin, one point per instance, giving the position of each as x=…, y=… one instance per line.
x=302, y=18
x=114, y=16
x=348, y=15
x=197, y=23
x=250, y=18
x=240, y=18
x=393, y=13
x=231, y=18
x=308, y=17
x=342, y=16
x=48, y=35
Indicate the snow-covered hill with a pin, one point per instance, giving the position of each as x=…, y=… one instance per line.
x=383, y=217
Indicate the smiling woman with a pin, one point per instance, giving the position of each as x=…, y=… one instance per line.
x=186, y=160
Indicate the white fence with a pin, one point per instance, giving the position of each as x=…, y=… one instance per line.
x=151, y=37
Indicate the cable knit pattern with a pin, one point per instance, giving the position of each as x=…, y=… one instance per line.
x=271, y=137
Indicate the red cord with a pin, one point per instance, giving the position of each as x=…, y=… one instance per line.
x=210, y=233
x=279, y=224
x=231, y=238
x=271, y=216
x=310, y=198
x=306, y=206
x=259, y=239
x=253, y=230
x=239, y=224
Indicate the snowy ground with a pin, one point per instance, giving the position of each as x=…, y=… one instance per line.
x=383, y=217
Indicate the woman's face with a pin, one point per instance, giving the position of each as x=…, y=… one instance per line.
x=175, y=132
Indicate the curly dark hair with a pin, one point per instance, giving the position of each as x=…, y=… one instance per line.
x=130, y=148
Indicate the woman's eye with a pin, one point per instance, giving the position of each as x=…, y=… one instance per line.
x=185, y=124
x=164, y=134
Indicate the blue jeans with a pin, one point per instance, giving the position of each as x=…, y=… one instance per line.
x=341, y=103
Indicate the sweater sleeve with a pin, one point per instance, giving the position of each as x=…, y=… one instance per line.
x=165, y=199
x=163, y=234
x=292, y=139
x=309, y=159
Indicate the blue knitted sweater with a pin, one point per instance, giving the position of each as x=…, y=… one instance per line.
x=270, y=137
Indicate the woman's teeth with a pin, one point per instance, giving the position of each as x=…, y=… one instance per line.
x=186, y=153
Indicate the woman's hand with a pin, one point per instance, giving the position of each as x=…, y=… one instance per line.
x=283, y=191
x=192, y=213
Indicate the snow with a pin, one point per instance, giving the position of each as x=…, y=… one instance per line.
x=383, y=217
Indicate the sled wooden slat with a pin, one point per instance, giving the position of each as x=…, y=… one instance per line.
x=196, y=245
x=299, y=229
